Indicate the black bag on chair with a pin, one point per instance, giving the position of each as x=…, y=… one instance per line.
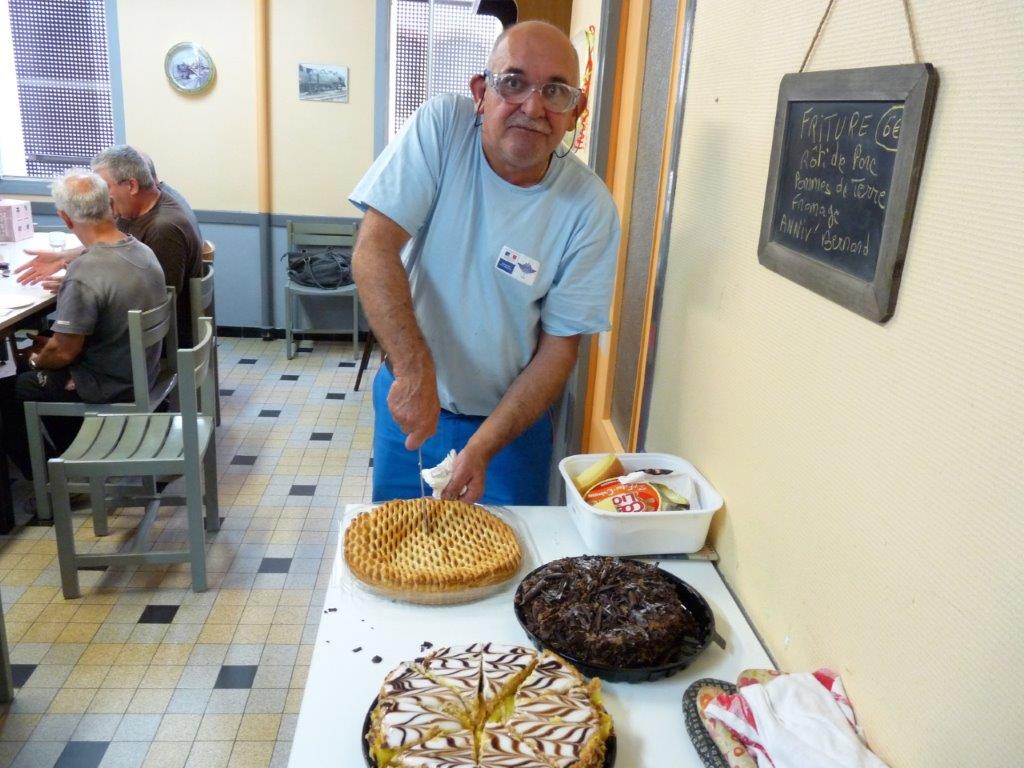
x=323, y=268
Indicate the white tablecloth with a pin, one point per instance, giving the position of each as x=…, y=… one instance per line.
x=14, y=254
x=341, y=684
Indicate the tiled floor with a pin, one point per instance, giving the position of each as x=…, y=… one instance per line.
x=141, y=671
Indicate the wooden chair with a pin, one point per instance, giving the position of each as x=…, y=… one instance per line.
x=155, y=445
x=202, y=305
x=319, y=235
x=145, y=329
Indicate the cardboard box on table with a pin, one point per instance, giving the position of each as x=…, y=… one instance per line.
x=15, y=220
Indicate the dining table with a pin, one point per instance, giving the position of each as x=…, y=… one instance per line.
x=363, y=635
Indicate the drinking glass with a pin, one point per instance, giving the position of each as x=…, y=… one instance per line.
x=57, y=240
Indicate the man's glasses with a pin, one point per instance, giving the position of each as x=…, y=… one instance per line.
x=515, y=89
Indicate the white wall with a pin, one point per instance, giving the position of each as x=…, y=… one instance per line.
x=873, y=474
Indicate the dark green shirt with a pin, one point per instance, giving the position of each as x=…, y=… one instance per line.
x=171, y=230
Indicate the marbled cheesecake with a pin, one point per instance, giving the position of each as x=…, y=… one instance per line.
x=488, y=706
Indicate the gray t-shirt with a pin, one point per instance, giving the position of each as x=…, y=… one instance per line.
x=101, y=286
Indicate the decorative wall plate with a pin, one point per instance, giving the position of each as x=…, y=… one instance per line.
x=189, y=68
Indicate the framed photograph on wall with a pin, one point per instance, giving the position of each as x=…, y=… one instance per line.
x=323, y=82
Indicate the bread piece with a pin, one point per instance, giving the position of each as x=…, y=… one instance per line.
x=460, y=546
x=605, y=468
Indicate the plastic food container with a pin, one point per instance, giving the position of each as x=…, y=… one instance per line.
x=641, y=533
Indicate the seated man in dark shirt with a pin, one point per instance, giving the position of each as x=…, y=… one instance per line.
x=87, y=358
x=161, y=220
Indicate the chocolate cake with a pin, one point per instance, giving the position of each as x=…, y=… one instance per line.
x=606, y=611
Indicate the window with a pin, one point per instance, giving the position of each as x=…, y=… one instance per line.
x=436, y=46
x=55, y=82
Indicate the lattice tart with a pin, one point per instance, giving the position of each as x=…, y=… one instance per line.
x=488, y=706
x=460, y=546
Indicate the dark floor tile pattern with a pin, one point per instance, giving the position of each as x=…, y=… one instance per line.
x=302, y=490
x=275, y=565
x=236, y=676
x=270, y=413
x=21, y=673
x=346, y=365
x=247, y=361
x=158, y=614
x=323, y=436
x=289, y=377
x=242, y=460
x=110, y=736
x=82, y=754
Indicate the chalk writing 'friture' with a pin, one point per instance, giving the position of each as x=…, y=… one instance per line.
x=835, y=180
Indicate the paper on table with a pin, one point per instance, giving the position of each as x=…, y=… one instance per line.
x=15, y=300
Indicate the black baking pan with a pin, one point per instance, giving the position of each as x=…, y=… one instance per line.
x=610, y=746
x=689, y=647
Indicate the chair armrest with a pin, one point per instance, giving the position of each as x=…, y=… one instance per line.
x=80, y=409
x=44, y=408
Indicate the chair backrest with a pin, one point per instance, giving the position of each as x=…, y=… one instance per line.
x=201, y=295
x=194, y=374
x=321, y=234
x=145, y=329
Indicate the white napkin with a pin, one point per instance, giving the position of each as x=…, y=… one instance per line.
x=798, y=723
x=438, y=477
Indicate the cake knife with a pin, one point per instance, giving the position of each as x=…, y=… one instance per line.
x=423, y=491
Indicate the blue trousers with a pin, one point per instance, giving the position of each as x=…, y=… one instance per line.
x=518, y=474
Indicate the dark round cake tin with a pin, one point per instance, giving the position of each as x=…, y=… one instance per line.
x=610, y=746
x=689, y=648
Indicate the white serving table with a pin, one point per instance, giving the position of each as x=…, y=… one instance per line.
x=341, y=684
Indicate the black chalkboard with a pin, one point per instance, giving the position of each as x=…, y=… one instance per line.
x=836, y=181
x=846, y=160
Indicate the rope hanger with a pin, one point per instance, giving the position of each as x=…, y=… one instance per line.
x=828, y=10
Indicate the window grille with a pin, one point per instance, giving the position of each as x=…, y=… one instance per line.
x=62, y=73
x=436, y=47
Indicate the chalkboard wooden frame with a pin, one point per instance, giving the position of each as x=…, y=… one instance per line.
x=916, y=86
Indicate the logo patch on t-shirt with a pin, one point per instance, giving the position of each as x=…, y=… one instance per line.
x=522, y=268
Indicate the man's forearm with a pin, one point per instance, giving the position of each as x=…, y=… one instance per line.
x=53, y=357
x=385, y=294
x=532, y=392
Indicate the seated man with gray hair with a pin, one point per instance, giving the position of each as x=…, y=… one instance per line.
x=87, y=358
x=161, y=220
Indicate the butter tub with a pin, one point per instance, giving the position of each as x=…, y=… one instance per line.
x=641, y=533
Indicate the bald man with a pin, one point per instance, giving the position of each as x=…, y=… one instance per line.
x=484, y=254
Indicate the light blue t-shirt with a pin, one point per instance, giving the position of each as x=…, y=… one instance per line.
x=490, y=264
